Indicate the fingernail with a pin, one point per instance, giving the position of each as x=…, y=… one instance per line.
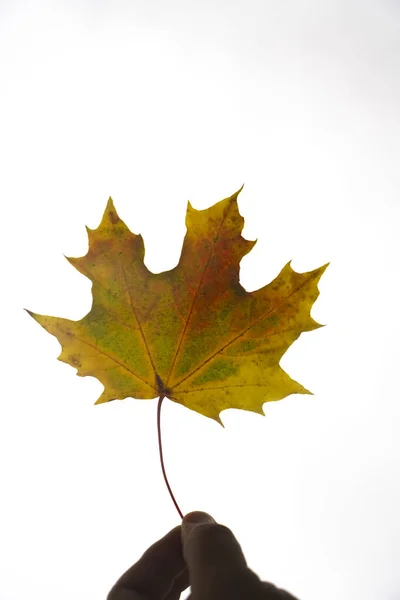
x=193, y=520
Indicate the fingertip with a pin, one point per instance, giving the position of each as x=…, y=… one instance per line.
x=197, y=516
x=211, y=550
x=192, y=520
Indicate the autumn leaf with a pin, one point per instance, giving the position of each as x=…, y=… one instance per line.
x=192, y=334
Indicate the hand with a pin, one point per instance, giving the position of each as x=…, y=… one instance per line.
x=202, y=554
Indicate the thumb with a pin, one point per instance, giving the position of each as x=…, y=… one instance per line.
x=213, y=556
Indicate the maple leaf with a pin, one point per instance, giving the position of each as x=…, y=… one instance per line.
x=192, y=334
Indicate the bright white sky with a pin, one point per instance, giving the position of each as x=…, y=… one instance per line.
x=156, y=103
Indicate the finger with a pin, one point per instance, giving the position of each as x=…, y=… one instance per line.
x=181, y=583
x=274, y=593
x=159, y=572
x=216, y=564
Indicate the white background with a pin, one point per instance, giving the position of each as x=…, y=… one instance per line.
x=156, y=103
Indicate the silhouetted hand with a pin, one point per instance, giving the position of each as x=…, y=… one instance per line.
x=200, y=553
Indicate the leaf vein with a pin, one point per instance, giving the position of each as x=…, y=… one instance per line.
x=215, y=240
x=243, y=332
x=97, y=349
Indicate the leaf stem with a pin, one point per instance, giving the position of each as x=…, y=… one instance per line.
x=161, y=398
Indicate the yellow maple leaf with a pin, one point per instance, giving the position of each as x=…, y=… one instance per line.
x=192, y=334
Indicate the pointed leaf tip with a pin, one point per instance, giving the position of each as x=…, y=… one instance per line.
x=324, y=267
x=239, y=190
x=110, y=216
x=217, y=418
